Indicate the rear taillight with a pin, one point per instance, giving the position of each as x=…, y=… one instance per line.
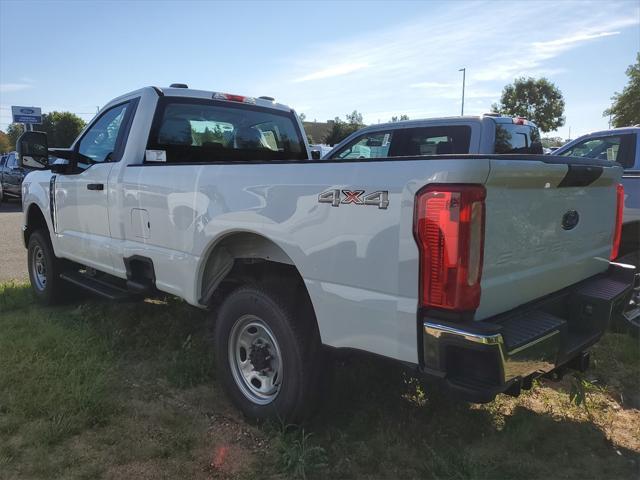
x=449, y=230
x=617, y=231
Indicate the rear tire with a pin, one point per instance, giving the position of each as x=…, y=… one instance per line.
x=266, y=356
x=44, y=269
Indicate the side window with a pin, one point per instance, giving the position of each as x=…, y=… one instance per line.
x=372, y=145
x=99, y=142
x=514, y=138
x=602, y=148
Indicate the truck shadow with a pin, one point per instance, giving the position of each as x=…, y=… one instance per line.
x=377, y=418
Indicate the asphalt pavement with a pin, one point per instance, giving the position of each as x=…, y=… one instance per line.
x=13, y=255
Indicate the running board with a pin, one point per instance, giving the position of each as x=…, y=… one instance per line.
x=100, y=287
x=632, y=315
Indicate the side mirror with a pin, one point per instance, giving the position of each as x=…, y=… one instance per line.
x=315, y=154
x=33, y=150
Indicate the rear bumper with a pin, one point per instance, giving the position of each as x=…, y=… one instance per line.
x=479, y=359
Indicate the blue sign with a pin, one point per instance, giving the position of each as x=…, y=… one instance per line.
x=27, y=115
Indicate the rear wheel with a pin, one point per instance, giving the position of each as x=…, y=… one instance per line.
x=44, y=269
x=266, y=356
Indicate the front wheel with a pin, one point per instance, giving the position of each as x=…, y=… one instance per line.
x=44, y=269
x=266, y=356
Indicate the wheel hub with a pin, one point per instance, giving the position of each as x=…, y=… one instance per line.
x=260, y=357
x=255, y=359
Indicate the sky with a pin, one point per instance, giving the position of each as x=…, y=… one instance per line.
x=325, y=59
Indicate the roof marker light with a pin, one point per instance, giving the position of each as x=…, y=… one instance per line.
x=229, y=97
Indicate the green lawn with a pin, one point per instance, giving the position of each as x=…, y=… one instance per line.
x=99, y=390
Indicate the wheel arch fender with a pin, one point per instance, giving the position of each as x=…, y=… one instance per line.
x=232, y=247
x=35, y=218
x=222, y=252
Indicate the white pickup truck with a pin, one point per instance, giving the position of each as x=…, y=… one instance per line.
x=483, y=271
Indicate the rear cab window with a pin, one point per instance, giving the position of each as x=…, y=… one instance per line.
x=445, y=140
x=516, y=138
x=192, y=130
x=405, y=142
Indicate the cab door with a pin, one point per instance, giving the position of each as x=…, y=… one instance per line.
x=82, y=196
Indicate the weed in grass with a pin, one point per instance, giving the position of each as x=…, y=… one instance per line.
x=297, y=457
x=14, y=295
x=191, y=365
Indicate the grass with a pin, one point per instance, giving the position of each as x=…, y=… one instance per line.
x=97, y=390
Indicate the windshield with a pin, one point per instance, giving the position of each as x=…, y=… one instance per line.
x=206, y=131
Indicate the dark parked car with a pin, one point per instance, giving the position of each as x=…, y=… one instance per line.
x=11, y=176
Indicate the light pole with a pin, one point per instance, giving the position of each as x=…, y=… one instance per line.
x=464, y=72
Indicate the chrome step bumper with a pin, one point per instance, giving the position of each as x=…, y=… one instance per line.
x=482, y=358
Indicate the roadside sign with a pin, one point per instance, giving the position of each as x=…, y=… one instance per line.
x=27, y=114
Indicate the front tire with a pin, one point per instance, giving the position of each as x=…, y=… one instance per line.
x=44, y=269
x=266, y=356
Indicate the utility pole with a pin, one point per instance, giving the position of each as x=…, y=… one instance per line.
x=464, y=74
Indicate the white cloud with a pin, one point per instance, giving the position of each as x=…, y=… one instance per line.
x=334, y=71
x=14, y=87
x=413, y=67
x=559, y=44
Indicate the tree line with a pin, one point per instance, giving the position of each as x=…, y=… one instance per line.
x=61, y=128
x=538, y=100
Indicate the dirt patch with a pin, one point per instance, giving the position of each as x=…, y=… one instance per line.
x=235, y=446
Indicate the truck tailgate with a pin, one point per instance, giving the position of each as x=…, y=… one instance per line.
x=548, y=226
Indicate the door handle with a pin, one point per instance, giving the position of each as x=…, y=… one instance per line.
x=95, y=186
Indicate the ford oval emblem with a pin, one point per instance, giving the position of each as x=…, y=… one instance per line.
x=570, y=219
x=27, y=111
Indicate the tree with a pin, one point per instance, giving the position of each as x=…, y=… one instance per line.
x=625, y=109
x=548, y=142
x=13, y=132
x=61, y=128
x=341, y=129
x=399, y=119
x=5, y=143
x=209, y=136
x=302, y=117
x=537, y=100
x=354, y=118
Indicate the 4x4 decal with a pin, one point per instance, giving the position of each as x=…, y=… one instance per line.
x=336, y=197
